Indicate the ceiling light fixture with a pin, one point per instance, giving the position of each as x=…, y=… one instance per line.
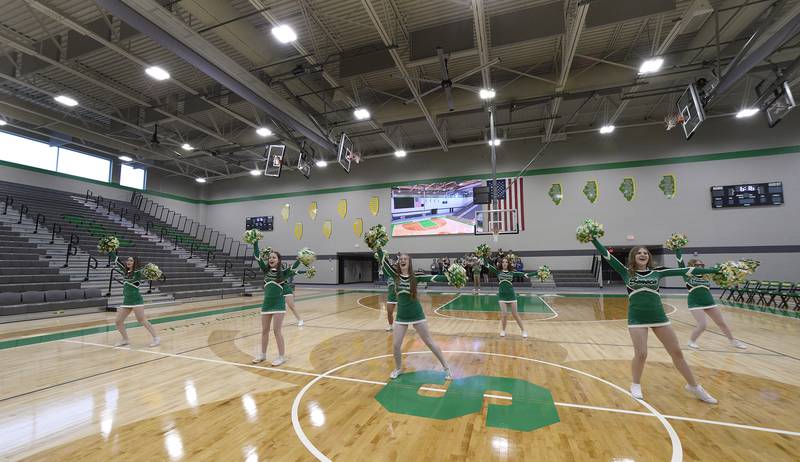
x=651, y=65
x=487, y=93
x=3, y=122
x=264, y=131
x=255, y=172
x=66, y=100
x=361, y=113
x=400, y=153
x=284, y=33
x=606, y=129
x=125, y=158
x=186, y=147
x=747, y=112
x=200, y=180
x=495, y=142
x=157, y=73
x=321, y=163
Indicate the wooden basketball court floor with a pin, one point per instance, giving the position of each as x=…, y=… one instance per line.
x=67, y=394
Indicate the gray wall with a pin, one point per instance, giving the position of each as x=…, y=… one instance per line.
x=650, y=217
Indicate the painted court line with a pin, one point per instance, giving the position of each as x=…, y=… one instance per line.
x=436, y=390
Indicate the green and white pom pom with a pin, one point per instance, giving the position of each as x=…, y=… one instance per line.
x=751, y=264
x=151, y=272
x=676, y=241
x=543, y=273
x=483, y=251
x=311, y=272
x=589, y=230
x=108, y=244
x=251, y=236
x=306, y=256
x=732, y=273
x=456, y=275
x=376, y=237
x=264, y=254
x=511, y=258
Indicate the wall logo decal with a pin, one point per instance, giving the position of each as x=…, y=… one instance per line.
x=358, y=227
x=312, y=210
x=327, y=229
x=669, y=186
x=592, y=191
x=628, y=188
x=285, y=212
x=556, y=193
x=341, y=208
x=298, y=230
x=531, y=407
x=374, y=205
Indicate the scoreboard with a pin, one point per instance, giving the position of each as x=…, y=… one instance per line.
x=747, y=195
x=259, y=223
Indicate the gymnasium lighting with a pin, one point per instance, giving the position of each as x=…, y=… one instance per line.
x=747, y=112
x=321, y=163
x=486, y=93
x=606, y=129
x=400, y=153
x=255, y=172
x=66, y=100
x=264, y=131
x=125, y=158
x=186, y=147
x=200, y=180
x=157, y=73
x=651, y=65
x=284, y=33
x=361, y=113
x=495, y=142
x=3, y=122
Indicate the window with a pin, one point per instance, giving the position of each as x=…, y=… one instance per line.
x=27, y=152
x=132, y=177
x=84, y=165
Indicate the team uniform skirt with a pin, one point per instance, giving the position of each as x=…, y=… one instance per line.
x=288, y=289
x=409, y=312
x=131, y=297
x=506, y=293
x=645, y=310
x=700, y=298
x=273, y=304
x=391, y=294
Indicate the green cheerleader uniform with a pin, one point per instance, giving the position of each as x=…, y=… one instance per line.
x=409, y=310
x=288, y=286
x=644, y=301
x=391, y=294
x=505, y=291
x=274, y=283
x=700, y=297
x=131, y=296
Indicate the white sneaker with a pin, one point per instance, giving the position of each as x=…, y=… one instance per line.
x=700, y=393
x=636, y=390
x=278, y=361
x=738, y=344
x=693, y=345
x=299, y=322
x=502, y=333
x=389, y=328
x=259, y=358
x=395, y=373
x=121, y=343
x=524, y=334
x=156, y=342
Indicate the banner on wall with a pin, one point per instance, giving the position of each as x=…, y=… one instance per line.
x=628, y=188
x=358, y=227
x=285, y=212
x=327, y=229
x=592, y=191
x=374, y=204
x=668, y=185
x=312, y=210
x=298, y=230
x=556, y=193
x=341, y=208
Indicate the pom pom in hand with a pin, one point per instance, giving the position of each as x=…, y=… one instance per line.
x=676, y=241
x=732, y=273
x=251, y=236
x=376, y=237
x=311, y=272
x=108, y=244
x=456, y=275
x=543, y=273
x=483, y=251
x=589, y=230
x=306, y=256
x=151, y=272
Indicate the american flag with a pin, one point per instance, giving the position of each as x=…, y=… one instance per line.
x=509, y=194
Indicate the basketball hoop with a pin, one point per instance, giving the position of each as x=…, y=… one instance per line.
x=672, y=120
x=496, y=232
x=354, y=156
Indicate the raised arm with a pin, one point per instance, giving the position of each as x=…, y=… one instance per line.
x=290, y=272
x=257, y=254
x=387, y=267
x=431, y=278
x=612, y=260
x=686, y=271
x=679, y=256
x=492, y=269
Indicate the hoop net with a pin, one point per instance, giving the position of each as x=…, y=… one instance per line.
x=673, y=119
x=353, y=156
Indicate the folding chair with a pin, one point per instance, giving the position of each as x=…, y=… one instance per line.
x=751, y=291
x=748, y=287
x=782, y=294
x=769, y=289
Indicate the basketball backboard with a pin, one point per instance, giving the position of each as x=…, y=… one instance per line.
x=690, y=107
x=274, y=160
x=345, y=152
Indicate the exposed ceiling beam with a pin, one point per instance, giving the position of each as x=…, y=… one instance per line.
x=482, y=40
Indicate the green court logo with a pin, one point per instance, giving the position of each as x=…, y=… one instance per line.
x=531, y=406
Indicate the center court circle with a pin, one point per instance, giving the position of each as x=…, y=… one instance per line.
x=677, y=448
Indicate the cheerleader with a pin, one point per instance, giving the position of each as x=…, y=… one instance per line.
x=132, y=300
x=288, y=295
x=506, y=296
x=274, y=304
x=391, y=301
x=409, y=310
x=645, y=312
x=701, y=303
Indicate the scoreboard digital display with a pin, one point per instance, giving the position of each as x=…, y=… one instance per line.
x=259, y=223
x=747, y=195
